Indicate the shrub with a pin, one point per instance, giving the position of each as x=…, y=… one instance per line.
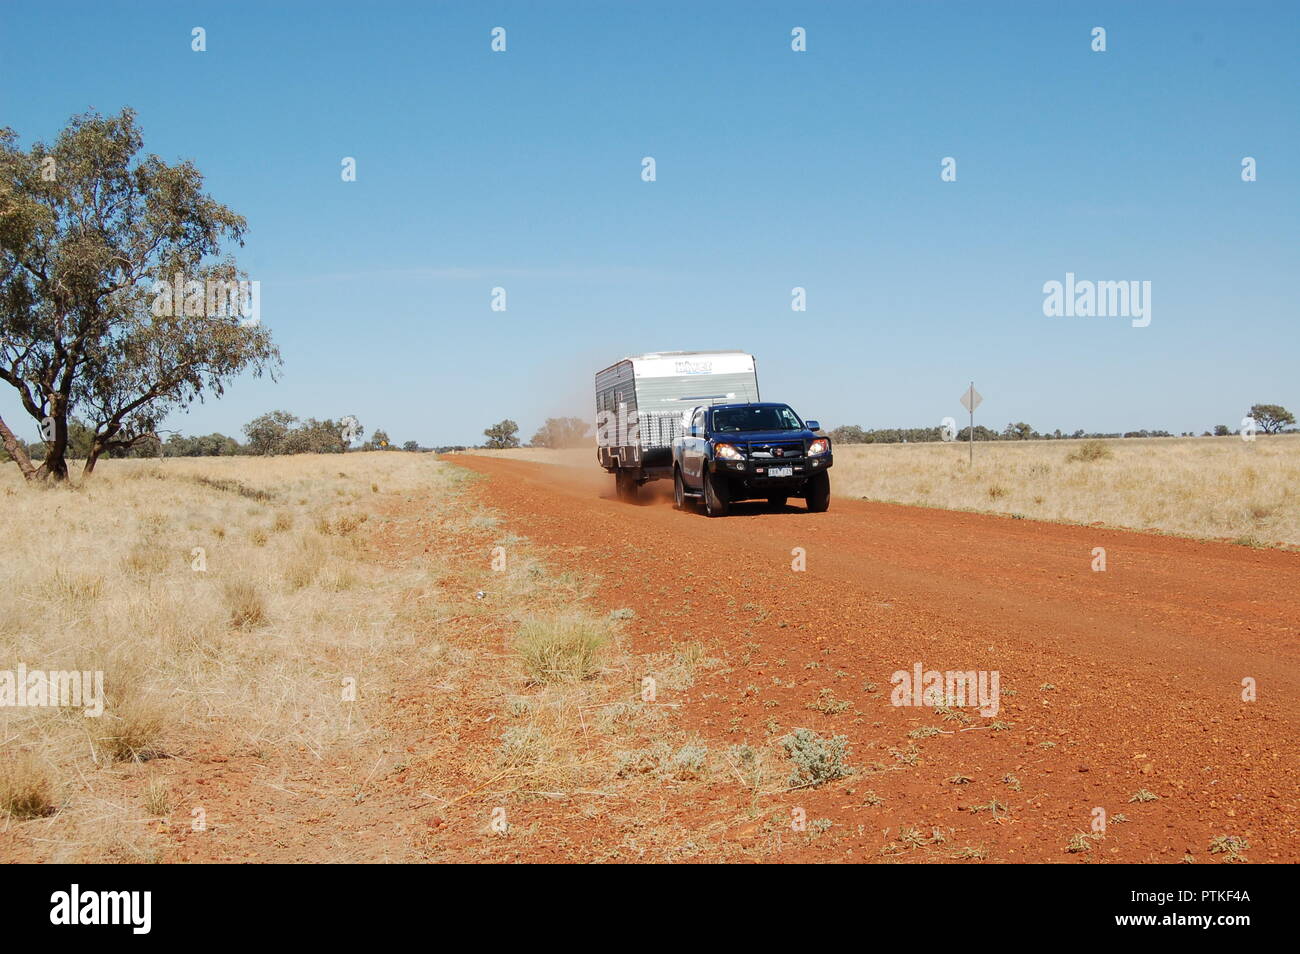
x=1089, y=451
x=688, y=762
x=815, y=760
x=522, y=745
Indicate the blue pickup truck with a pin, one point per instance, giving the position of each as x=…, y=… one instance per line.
x=750, y=451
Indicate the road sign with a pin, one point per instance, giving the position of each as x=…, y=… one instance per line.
x=970, y=400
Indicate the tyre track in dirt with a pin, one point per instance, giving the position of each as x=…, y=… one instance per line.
x=1145, y=661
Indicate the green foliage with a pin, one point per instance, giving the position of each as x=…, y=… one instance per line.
x=1019, y=432
x=502, y=435
x=1271, y=418
x=279, y=432
x=89, y=228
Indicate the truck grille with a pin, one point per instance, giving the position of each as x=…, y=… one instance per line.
x=775, y=450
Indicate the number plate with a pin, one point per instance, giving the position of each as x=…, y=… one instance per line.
x=780, y=472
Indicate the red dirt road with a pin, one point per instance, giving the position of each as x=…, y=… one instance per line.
x=1112, y=682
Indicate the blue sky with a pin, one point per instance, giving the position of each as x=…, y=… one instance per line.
x=775, y=169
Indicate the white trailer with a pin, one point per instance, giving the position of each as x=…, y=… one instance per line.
x=641, y=401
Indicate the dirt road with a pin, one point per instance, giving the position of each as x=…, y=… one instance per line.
x=1113, y=683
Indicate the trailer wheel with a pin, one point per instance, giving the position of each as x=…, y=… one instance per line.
x=717, y=498
x=679, y=490
x=818, y=493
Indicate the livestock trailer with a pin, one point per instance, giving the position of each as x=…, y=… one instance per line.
x=641, y=402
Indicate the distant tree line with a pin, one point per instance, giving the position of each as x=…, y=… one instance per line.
x=557, y=432
x=1019, y=431
x=271, y=434
x=1269, y=418
x=279, y=432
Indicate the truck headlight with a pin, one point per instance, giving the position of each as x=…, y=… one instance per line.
x=819, y=446
x=727, y=452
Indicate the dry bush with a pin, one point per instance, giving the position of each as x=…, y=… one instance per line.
x=157, y=797
x=131, y=730
x=523, y=746
x=1090, y=451
x=562, y=648
x=247, y=604
x=26, y=789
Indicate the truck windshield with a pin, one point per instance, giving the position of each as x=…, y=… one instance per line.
x=763, y=418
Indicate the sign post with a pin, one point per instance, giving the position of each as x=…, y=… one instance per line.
x=970, y=400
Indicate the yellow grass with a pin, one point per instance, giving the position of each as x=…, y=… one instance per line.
x=1202, y=487
x=224, y=601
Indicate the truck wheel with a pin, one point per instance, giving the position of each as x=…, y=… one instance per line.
x=818, y=493
x=679, y=490
x=717, y=498
x=777, y=502
x=625, y=486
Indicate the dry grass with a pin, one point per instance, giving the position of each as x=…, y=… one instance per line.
x=1222, y=488
x=157, y=797
x=562, y=649
x=215, y=623
x=246, y=603
x=26, y=789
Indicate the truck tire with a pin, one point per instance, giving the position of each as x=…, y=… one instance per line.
x=625, y=486
x=717, y=498
x=818, y=493
x=679, y=490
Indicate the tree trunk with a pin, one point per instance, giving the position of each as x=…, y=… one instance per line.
x=56, y=464
x=17, y=451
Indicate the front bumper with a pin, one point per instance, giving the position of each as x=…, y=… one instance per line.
x=753, y=475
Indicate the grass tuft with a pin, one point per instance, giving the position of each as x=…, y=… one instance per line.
x=562, y=648
x=26, y=789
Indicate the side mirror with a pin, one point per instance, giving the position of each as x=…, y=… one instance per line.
x=813, y=425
